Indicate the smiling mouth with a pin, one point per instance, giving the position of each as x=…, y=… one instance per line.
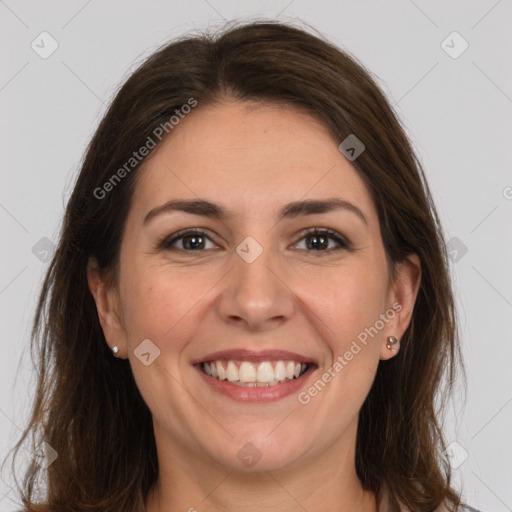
x=251, y=374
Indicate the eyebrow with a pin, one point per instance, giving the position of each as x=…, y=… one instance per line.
x=291, y=210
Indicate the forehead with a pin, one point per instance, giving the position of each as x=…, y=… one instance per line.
x=254, y=157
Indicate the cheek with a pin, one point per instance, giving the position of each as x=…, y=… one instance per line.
x=162, y=304
x=159, y=306
x=347, y=302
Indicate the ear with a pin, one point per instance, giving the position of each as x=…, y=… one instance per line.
x=402, y=297
x=106, y=298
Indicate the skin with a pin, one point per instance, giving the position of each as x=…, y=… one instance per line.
x=253, y=159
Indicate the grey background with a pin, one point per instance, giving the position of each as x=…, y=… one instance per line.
x=457, y=112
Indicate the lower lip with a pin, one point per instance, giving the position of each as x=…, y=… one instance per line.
x=256, y=394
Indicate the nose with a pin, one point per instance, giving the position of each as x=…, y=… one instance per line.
x=256, y=294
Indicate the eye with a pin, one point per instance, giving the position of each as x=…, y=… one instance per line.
x=320, y=240
x=192, y=240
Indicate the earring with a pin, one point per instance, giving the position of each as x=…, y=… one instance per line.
x=115, y=350
x=391, y=341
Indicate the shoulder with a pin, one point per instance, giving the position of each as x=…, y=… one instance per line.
x=469, y=509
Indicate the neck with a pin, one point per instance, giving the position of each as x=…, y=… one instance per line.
x=191, y=483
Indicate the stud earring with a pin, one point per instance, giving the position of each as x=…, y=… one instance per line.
x=115, y=350
x=391, y=341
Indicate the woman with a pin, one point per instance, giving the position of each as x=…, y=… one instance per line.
x=250, y=306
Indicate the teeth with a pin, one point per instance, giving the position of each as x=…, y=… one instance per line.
x=245, y=373
x=232, y=372
x=280, y=371
x=220, y=371
x=265, y=372
x=290, y=370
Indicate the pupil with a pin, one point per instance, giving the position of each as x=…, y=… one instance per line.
x=193, y=239
x=317, y=237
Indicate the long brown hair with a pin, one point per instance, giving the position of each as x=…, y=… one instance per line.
x=87, y=406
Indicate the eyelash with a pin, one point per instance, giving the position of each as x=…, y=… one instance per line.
x=344, y=244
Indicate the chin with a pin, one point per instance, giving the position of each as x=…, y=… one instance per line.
x=257, y=454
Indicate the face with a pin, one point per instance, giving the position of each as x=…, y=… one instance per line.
x=252, y=288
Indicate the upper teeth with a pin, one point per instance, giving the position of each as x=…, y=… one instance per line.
x=245, y=371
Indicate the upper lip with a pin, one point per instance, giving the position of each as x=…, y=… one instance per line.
x=255, y=356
